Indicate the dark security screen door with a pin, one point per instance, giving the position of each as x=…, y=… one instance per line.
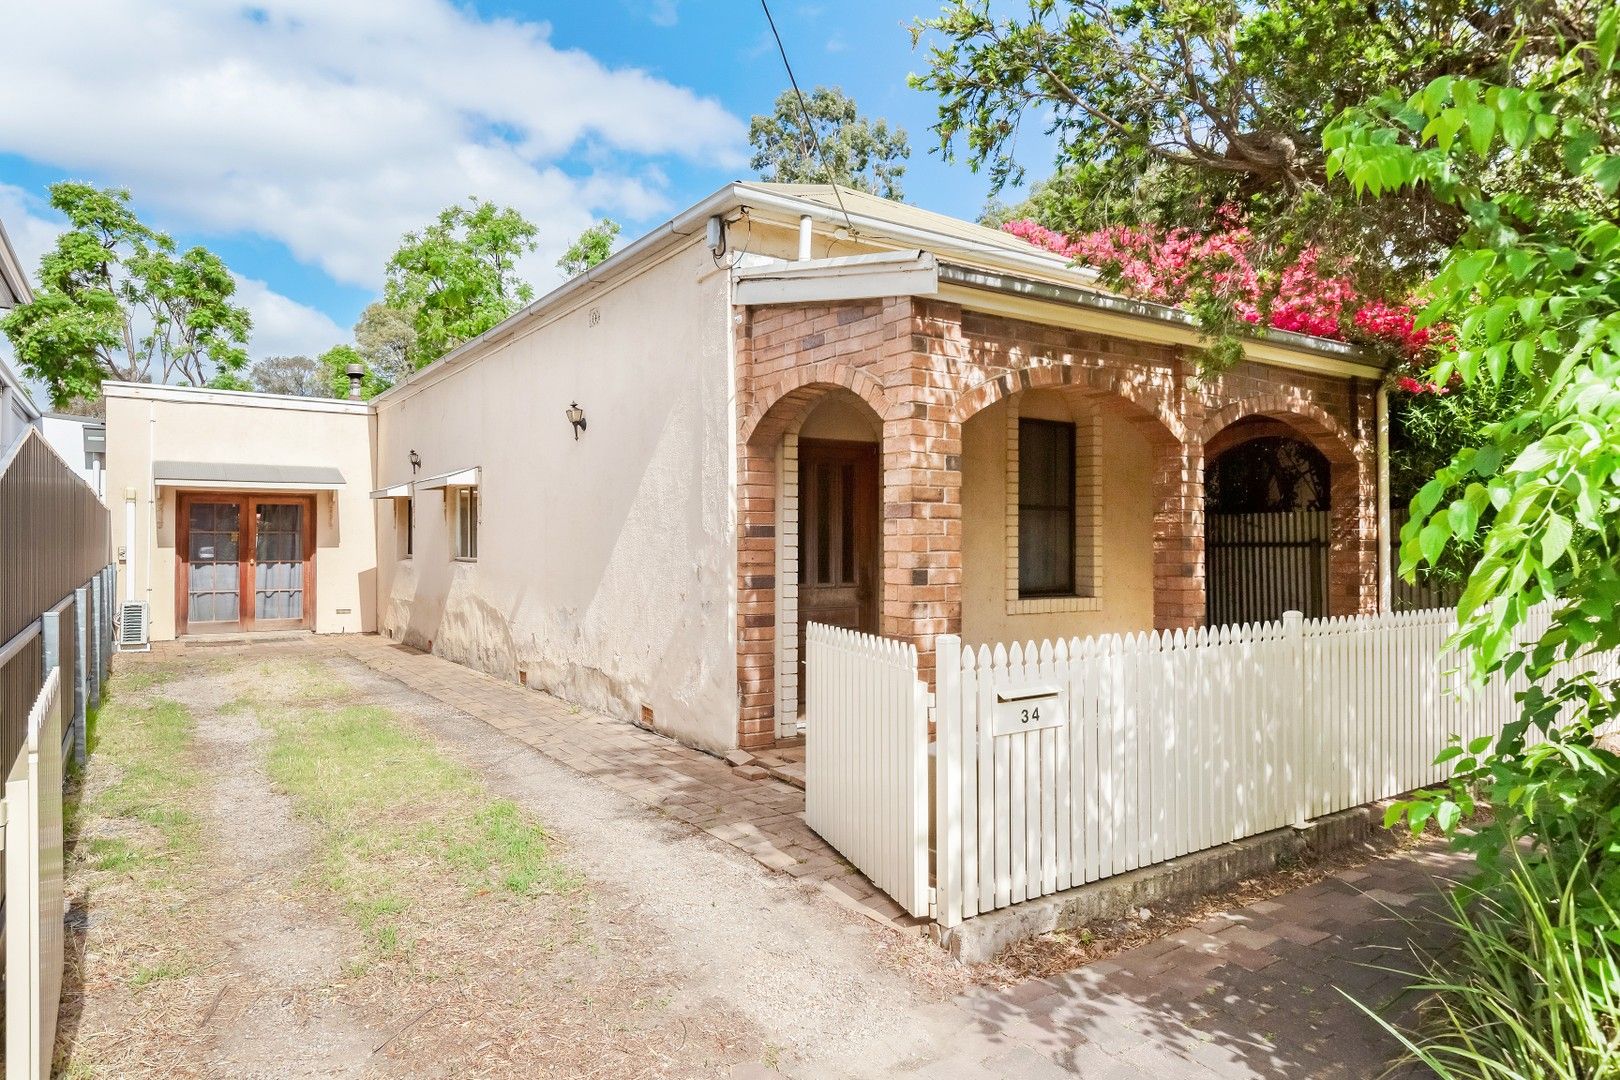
x=248, y=563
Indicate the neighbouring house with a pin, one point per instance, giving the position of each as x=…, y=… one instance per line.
x=18, y=412
x=789, y=403
x=81, y=441
x=238, y=512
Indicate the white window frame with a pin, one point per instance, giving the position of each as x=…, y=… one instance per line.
x=464, y=526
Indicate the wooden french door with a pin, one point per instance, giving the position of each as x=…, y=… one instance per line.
x=246, y=562
x=839, y=546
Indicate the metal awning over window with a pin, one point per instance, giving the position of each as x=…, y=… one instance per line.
x=398, y=491
x=219, y=476
x=460, y=478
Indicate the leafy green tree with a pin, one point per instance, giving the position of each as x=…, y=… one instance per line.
x=385, y=337
x=1163, y=111
x=836, y=145
x=458, y=277
x=298, y=375
x=1532, y=290
x=117, y=300
x=334, y=365
x=591, y=247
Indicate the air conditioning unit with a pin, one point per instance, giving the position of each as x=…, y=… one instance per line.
x=132, y=627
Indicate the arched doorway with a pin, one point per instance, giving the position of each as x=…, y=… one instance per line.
x=1267, y=533
x=835, y=491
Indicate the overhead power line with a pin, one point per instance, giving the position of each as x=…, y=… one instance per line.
x=812, y=144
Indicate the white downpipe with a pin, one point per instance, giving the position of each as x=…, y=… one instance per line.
x=805, y=233
x=129, y=544
x=1385, y=567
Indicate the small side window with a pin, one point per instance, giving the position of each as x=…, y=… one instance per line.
x=405, y=522
x=466, y=546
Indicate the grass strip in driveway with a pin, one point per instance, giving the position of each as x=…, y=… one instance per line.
x=144, y=829
x=394, y=813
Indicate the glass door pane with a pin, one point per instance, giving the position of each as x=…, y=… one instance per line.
x=278, y=571
x=213, y=581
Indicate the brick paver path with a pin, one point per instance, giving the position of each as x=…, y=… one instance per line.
x=762, y=817
x=1255, y=992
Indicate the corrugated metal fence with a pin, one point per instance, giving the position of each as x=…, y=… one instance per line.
x=56, y=600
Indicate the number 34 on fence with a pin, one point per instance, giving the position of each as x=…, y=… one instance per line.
x=1030, y=710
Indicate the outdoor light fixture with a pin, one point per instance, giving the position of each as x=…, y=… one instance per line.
x=576, y=416
x=416, y=461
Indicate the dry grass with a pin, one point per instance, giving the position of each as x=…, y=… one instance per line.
x=472, y=947
x=135, y=867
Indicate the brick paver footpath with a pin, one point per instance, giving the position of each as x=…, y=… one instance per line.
x=1258, y=991
x=1255, y=992
x=747, y=809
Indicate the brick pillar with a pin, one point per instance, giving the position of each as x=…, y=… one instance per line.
x=756, y=597
x=1353, y=538
x=1178, y=534
x=922, y=529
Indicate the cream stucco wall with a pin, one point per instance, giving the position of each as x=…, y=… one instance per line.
x=607, y=564
x=1125, y=535
x=164, y=423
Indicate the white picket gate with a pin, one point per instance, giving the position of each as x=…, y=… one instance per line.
x=33, y=860
x=866, y=758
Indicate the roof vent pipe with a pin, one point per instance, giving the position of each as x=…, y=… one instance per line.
x=356, y=373
x=804, y=237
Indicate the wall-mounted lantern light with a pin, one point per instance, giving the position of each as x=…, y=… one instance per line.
x=576, y=416
x=416, y=461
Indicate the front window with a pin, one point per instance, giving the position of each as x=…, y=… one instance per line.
x=1046, y=498
x=466, y=523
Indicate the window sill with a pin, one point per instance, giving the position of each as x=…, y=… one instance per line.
x=1045, y=605
x=464, y=558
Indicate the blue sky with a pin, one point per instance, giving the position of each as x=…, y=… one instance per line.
x=300, y=138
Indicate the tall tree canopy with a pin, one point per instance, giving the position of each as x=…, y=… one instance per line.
x=118, y=300
x=836, y=145
x=298, y=375
x=384, y=337
x=589, y=248
x=458, y=277
x=1165, y=110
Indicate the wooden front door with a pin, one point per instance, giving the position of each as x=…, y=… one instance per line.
x=247, y=562
x=839, y=549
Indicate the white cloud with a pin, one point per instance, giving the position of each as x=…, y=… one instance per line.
x=336, y=127
x=664, y=13
x=282, y=326
x=30, y=230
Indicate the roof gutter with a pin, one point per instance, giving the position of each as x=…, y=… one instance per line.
x=969, y=277
x=1034, y=261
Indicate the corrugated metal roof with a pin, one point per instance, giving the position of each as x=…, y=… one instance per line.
x=969, y=237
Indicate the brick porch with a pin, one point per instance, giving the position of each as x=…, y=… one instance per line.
x=925, y=367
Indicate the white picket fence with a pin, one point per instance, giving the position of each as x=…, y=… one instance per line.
x=33, y=860
x=866, y=758
x=1152, y=746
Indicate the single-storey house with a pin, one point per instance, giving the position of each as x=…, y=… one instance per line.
x=788, y=403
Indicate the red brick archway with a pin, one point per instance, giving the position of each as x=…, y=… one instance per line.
x=1352, y=495
x=758, y=494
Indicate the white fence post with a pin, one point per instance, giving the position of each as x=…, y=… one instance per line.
x=1297, y=720
x=33, y=867
x=948, y=779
